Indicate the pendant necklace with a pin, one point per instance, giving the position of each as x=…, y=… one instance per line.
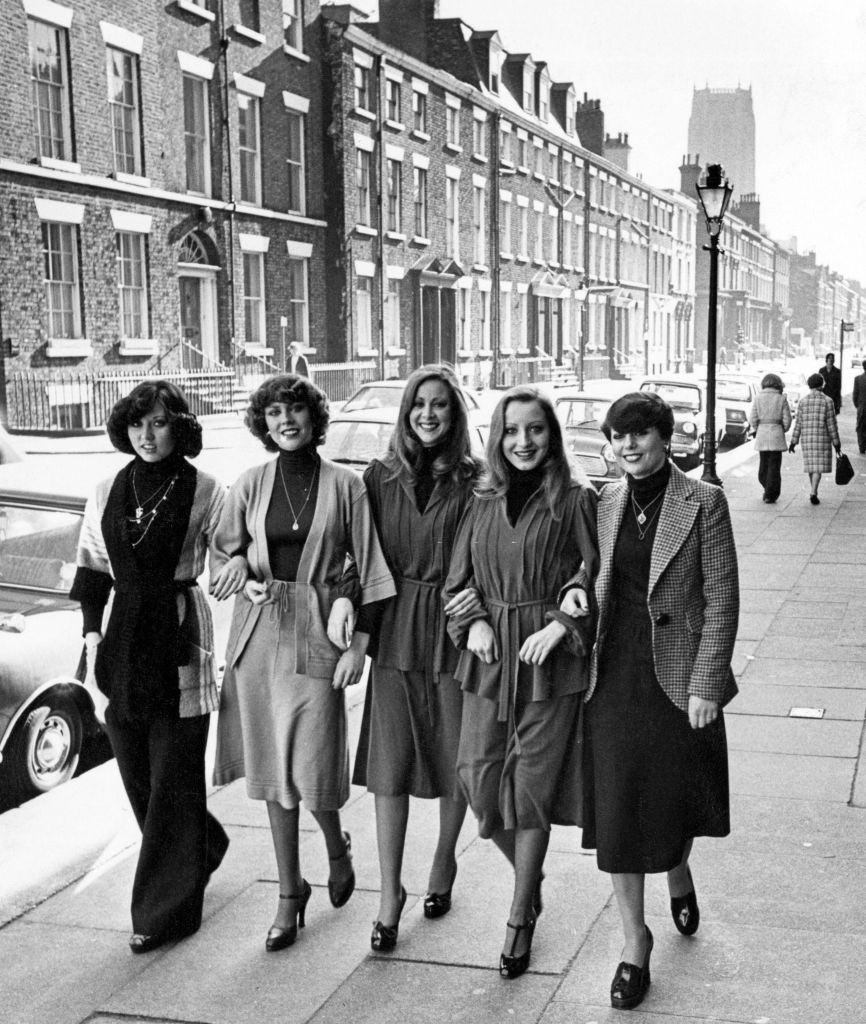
x=640, y=514
x=139, y=505
x=295, y=518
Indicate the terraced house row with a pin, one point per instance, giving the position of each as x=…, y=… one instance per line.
x=188, y=187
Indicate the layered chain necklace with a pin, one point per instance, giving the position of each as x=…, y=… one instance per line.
x=144, y=517
x=643, y=517
x=296, y=517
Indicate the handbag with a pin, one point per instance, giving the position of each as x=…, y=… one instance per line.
x=844, y=469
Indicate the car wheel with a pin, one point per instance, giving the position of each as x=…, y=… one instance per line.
x=44, y=750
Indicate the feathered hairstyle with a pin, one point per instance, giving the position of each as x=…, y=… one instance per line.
x=185, y=428
x=560, y=472
x=404, y=449
x=287, y=388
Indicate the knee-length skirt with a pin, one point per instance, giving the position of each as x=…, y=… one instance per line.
x=282, y=731
x=526, y=772
x=651, y=782
x=409, y=734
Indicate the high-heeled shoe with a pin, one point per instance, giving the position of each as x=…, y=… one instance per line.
x=280, y=938
x=630, y=983
x=685, y=911
x=437, y=904
x=339, y=894
x=511, y=966
x=384, y=936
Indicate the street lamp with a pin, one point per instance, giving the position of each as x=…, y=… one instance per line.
x=714, y=195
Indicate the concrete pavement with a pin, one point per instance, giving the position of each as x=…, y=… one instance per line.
x=783, y=931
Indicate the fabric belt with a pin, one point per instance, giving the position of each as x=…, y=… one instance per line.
x=430, y=676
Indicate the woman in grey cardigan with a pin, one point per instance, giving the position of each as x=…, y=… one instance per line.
x=290, y=654
x=770, y=419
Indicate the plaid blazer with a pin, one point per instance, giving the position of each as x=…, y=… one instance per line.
x=693, y=596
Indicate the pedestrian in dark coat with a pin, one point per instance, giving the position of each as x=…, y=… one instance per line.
x=297, y=362
x=522, y=665
x=151, y=673
x=859, y=399
x=411, y=725
x=770, y=419
x=655, y=756
x=816, y=426
x=832, y=378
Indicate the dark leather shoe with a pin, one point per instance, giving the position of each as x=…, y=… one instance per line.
x=384, y=936
x=630, y=983
x=280, y=938
x=339, y=894
x=145, y=943
x=685, y=912
x=511, y=966
x=437, y=904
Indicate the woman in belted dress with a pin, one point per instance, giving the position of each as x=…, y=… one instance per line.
x=408, y=742
x=151, y=673
x=655, y=756
x=522, y=666
x=282, y=722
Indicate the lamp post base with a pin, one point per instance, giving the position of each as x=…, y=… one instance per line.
x=710, y=476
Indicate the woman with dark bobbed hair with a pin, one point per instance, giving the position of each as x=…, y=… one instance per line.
x=151, y=675
x=816, y=426
x=282, y=722
x=655, y=756
x=770, y=419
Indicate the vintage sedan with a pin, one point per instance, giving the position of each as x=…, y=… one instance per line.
x=385, y=394
x=736, y=392
x=581, y=415
x=688, y=399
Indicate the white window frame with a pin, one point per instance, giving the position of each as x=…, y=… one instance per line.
x=538, y=248
x=134, y=257
x=54, y=146
x=255, y=324
x=299, y=305
x=394, y=99
x=364, y=310
x=125, y=109
x=485, y=310
x=393, y=298
x=505, y=237
x=419, y=110
x=363, y=186
x=394, y=193
x=479, y=219
x=452, y=211
x=197, y=136
x=421, y=224
x=293, y=26
x=523, y=227
x=505, y=318
x=479, y=132
x=452, y=121
x=250, y=150
x=363, y=81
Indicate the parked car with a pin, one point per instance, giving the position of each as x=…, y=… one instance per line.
x=736, y=392
x=383, y=394
x=581, y=415
x=688, y=398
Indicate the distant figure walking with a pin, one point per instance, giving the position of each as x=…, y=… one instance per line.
x=297, y=362
x=816, y=423
x=832, y=378
x=859, y=399
x=723, y=357
x=770, y=419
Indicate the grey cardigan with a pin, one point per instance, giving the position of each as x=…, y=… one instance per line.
x=770, y=418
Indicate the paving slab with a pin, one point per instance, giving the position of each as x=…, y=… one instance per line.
x=778, y=699
x=835, y=828
x=59, y=974
x=813, y=649
x=727, y=972
x=224, y=974
x=802, y=671
x=396, y=992
x=780, y=572
x=844, y=577
x=806, y=628
x=791, y=775
x=754, y=625
x=789, y=607
x=754, y=600
x=822, y=738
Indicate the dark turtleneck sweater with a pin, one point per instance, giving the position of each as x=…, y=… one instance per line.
x=295, y=494
x=425, y=481
x=522, y=484
x=634, y=544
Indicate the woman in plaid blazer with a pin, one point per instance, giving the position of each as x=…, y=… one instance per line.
x=816, y=427
x=655, y=755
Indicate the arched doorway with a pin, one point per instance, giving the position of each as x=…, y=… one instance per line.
x=196, y=276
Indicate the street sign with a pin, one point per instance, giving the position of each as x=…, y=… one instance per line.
x=847, y=325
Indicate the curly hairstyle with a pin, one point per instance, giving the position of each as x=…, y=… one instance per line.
x=637, y=411
x=185, y=428
x=288, y=388
x=404, y=449
x=773, y=380
x=559, y=470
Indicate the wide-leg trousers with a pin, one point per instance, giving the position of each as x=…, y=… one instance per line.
x=161, y=763
x=770, y=474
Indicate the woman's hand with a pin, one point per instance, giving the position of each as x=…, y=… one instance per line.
x=341, y=623
x=463, y=603
x=256, y=591
x=481, y=641
x=350, y=667
x=702, y=712
x=536, y=647
x=792, y=448
x=230, y=579
x=575, y=602
x=100, y=701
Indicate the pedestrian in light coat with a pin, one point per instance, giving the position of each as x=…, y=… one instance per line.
x=770, y=419
x=816, y=425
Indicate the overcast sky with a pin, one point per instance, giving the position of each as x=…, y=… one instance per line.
x=805, y=62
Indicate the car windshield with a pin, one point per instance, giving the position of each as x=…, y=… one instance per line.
x=38, y=547
x=733, y=391
x=581, y=412
x=377, y=396
x=356, y=443
x=680, y=396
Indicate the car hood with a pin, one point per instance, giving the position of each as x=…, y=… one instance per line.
x=32, y=602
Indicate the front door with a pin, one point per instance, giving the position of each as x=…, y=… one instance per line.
x=190, y=321
x=438, y=324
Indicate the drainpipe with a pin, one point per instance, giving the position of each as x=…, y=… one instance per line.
x=495, y=258
x=227, y=151
x=380, y=204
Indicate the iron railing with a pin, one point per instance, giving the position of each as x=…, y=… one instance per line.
x=525, y=370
